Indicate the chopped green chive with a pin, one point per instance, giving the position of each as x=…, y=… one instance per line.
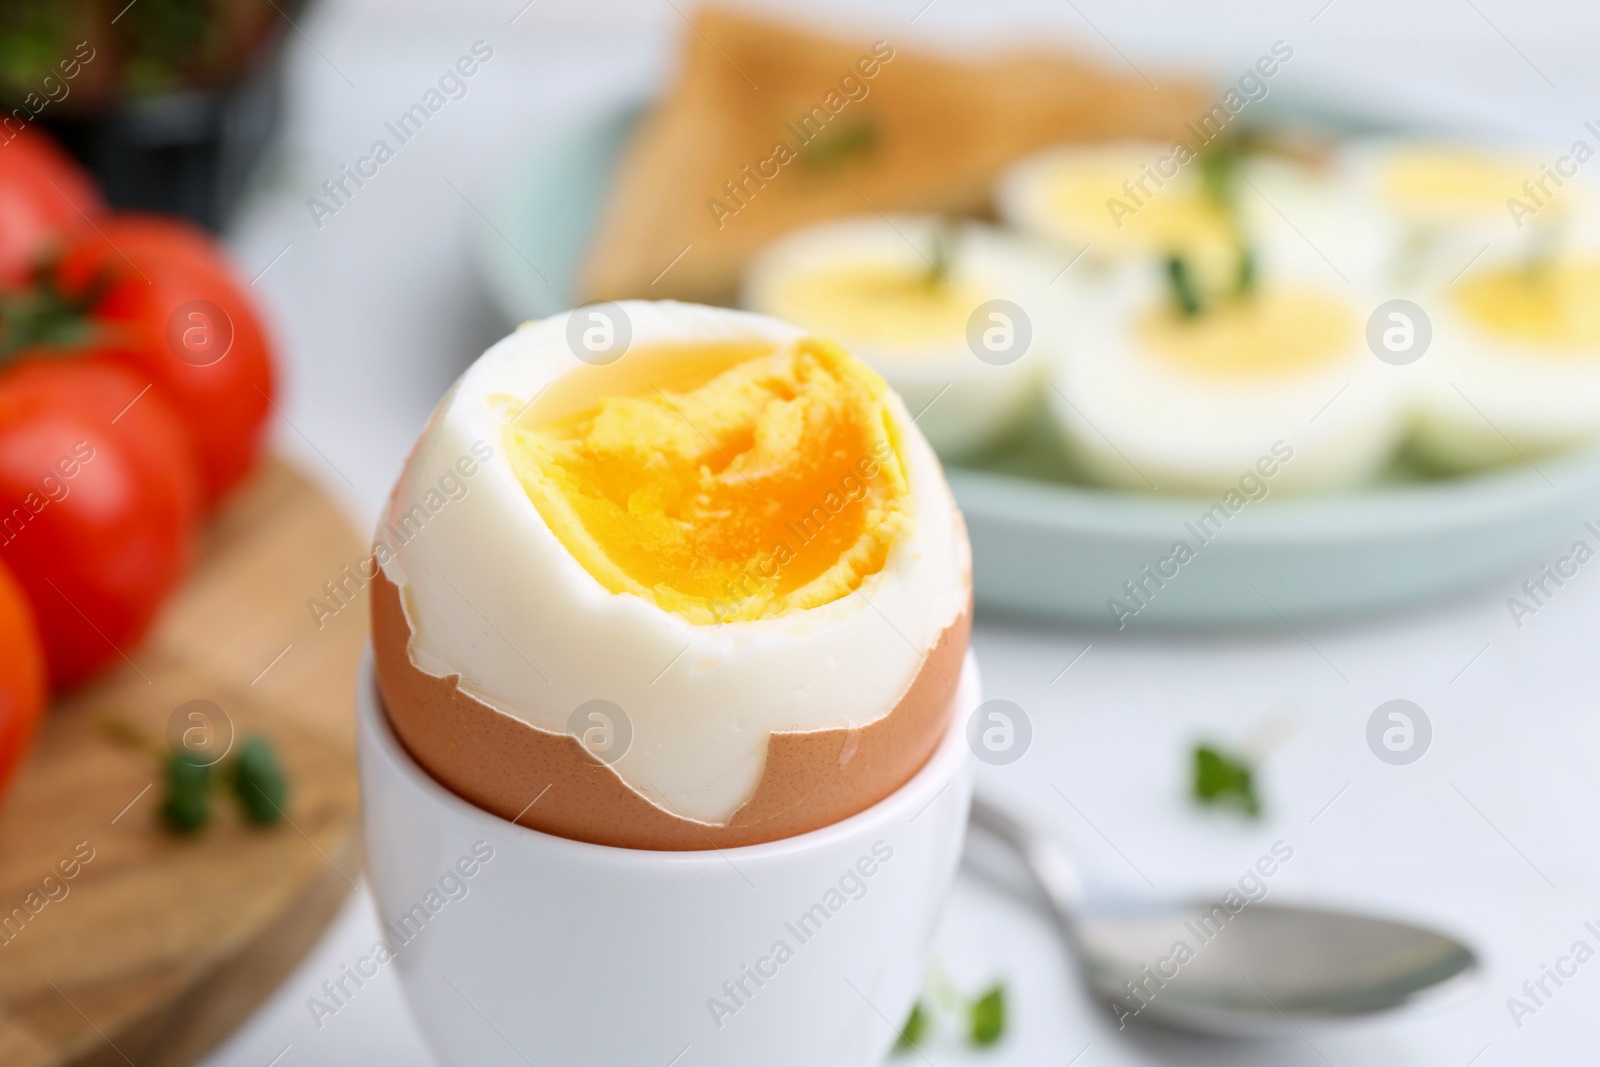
x=1219, y=174
x=258, y=782
x=188, y=802
x=915, y=1029
x=987, y=1016
x=1185, y=294
x=1245, y=280
x=839, y=143
x=1221, y=779
x=942, y=254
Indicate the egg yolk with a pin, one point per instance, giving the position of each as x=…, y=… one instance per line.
x=1169, y=219
x=1436, y=182
x=1275, y=332
x=774, y=487
x=1554, y=306
x=881, y=306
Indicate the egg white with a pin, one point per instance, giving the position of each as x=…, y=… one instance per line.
x=1134, y=419
x=1485, y=400
x=962, y=403
x=1311, y=221
x=492, y=595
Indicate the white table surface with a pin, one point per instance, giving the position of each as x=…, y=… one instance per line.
x=1493, y=833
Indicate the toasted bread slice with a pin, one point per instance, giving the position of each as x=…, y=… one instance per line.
x=769, y=128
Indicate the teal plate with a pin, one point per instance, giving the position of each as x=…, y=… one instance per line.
x=1046, y=544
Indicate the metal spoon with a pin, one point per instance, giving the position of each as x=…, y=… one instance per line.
x=1263, y=969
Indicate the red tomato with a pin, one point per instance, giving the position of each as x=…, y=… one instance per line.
x=99, y=504
x=22, y=675
x=46, y=201
x=184, y=322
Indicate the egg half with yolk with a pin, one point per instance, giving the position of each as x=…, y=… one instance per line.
x=1152, y=398
x=956, y=317
x=711, y=592
x=1447, y=204
x=1513, y=371
x=1136, y=201
x=1113, y=202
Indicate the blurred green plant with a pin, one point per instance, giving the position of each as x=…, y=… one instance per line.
x=146, y=48
x=166, y=38
x=32, y=36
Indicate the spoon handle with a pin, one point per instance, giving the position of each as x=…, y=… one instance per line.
x=1045, y=860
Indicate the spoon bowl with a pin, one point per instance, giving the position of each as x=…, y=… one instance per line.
x=1265, y=968
x=1256, y=969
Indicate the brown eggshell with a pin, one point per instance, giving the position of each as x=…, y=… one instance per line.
x=500, y=763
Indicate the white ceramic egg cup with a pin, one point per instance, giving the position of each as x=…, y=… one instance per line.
x=515, y=947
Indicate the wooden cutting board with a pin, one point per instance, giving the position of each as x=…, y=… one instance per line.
x=159, y=945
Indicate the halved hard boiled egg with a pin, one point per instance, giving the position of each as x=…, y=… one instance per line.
x=670, y=577
x=1276, y=386
x=1136, y=201
x=1447, y=204
x=956, y=317
x=1514, y=368
x=1112, y=202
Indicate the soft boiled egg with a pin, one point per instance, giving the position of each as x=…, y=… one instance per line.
x=955, y=317
x=704, y=586
x=1274, y=388
x=1514, y=367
